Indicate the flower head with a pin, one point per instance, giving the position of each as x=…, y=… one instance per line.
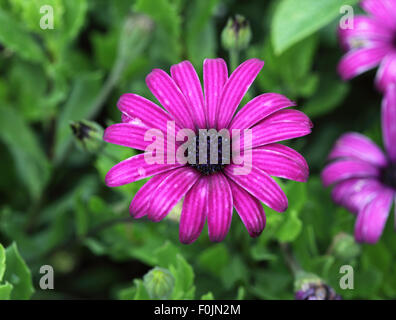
x=365, y=177
x=210, y=187
x=371, y=42
x=309, y=286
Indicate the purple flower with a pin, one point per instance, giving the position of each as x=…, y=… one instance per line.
x=210, y=190
x=316, y=291
x=371, y=42
x=365, y=177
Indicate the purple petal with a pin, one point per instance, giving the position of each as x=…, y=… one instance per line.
x=235, y=88
x=138, y=110
x=194, y=212
x=187, y=79
x=383, y=10
x=219, y=207
x=134, y=169
x=278, y=165
x=346, y=169
x=171, y=190
x=215, y=76
x=389, y=121
x=249, y=210
x=344, y=189
x=141, y=201
x=364, y=29
x=260, y=185
x=386, y=74
x=357, y=146
x=260, y=108
x=169, y=95
x=356, y=201
x=371, y=220
x=356, y=62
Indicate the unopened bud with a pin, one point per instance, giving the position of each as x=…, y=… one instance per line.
x=88, y=134
x=345, y=247
x=159, y=283
x=237, y=34
x=309, y=286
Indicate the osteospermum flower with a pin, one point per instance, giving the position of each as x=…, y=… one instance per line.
x=371, y=42
x=210, y=190
x=365, y=177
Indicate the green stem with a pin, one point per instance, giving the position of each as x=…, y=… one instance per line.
x=290, y=260
x=234, y=58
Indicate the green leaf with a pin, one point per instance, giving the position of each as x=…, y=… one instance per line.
x=291, y=228
x=184, y=279
x=16, y=38
x=136, y=292
x=214, y=259
x=2, y=261
x=30, y=160
x=18, y=274
x=208, y=296
x=5, y=291
x=296, y=20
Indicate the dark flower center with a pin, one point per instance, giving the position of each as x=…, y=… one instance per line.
x=209, y=152
x=388, y=175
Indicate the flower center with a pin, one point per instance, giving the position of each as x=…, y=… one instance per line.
x=388, y=175
x=209, y=151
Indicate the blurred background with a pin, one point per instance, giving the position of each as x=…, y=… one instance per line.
x=58, y=90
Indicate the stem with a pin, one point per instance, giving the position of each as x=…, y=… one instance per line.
x=234, y=58
x=290, y=260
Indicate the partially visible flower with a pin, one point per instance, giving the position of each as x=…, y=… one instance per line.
x=371, y=43
x=365, y=177
x=309, y=286
x=237, y=34
x=88, y=134
x=210, y=189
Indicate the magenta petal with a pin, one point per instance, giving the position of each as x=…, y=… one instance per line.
x=389, y=121
x=356, y=201
x=383, y=10
x=371, y=220
x=194, y=212
x=171, y=190
x=358, y=61
x=235, y=88
x=141, y=201
x=260, y=185
x=344, y=189
x=187, y=79
x=215, y=75
x=386, y=74
x=134, y=169
x=357, y=146
x=278, y=165
x=219, y=207
x=346, y=169
x=140, y=111
x=259, y=108
x=249, y=210
x=169, y=95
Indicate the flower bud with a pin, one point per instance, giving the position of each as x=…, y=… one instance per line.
x=345, y=247
x=310, y=287
x=159, y=283
x=237, y=34
x=88, y=134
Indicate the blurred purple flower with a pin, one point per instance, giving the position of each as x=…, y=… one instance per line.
x=211, y=190
x=365, y=177
x=371, y=42
x=316, y=291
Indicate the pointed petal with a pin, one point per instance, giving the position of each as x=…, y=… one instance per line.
x=235, y=89
x=194, y=212
x=215, y=76
x=389, y=122
x=260, y=185
x=357, y=146
x=169, y=95
x=171, y=190
x=259, y=108
x=249, y=210
x=219, y=207
x=134, y=169
x=386, y=74
x=383, y=10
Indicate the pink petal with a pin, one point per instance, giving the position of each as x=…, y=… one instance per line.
x=215, y=76
x=389, y=122
x=357, y=146
x=169, y=95
x=171, y=190
x=259, y=108
x=219, y=207
x=371, y=220
x=356, y=201
x=235, y=88
x=260, y=185
x=187, y=79
x=355, y=62
x=346, y=169
x=249, y=210
x=134, y=169
x=383, y=10
x=344, y=189
x=386, y=74
x=194, y=212
x=138, y=110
